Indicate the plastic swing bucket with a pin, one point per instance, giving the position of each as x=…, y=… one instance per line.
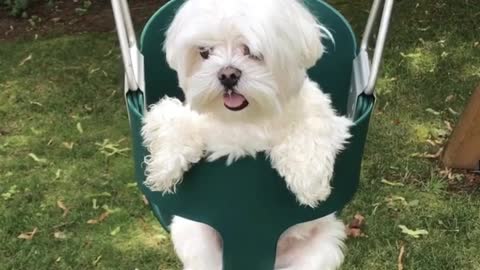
x=247, y=202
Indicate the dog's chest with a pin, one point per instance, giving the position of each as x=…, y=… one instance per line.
x=236, y=140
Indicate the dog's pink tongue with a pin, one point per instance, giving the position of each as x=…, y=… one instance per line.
x=233, y=100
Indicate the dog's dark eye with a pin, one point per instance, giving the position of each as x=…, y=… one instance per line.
x=204, y=52
x=247, y=52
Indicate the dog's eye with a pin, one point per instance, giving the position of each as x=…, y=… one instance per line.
x=204, y=52
x=247, y=52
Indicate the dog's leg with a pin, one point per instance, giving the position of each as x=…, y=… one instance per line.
x=171, y=135
x=306, y=155
x=197, y=245
x=316, y=245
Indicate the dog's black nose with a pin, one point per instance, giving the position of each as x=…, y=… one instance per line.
x=229, y=76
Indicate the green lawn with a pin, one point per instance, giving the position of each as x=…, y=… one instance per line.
x=60, y=101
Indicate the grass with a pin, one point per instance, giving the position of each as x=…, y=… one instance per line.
x=60, y=101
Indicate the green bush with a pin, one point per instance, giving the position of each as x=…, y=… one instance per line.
x=19, y=7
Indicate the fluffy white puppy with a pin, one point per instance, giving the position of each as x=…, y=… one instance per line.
x=242, y=66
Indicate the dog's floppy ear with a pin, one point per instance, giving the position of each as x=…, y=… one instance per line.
x=311, y=34
x=176, y=44
x=170, y=45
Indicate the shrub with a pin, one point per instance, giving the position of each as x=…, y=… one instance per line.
x=19, y=7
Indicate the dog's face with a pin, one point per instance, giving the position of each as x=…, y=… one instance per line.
x=241, y=59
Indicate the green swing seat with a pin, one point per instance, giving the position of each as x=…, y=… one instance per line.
x=247, y=202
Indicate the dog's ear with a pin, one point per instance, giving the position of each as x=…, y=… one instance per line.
x=311, y=33
x=176, y=45
x=170, y=45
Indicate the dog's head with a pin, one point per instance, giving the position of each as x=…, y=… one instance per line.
x=242, y=58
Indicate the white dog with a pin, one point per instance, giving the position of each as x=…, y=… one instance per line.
x=242, y=66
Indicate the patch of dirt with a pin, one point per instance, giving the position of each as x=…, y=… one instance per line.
x=65, y=18
x=469, y=184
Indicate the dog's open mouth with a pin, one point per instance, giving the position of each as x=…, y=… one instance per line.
x=234, y=101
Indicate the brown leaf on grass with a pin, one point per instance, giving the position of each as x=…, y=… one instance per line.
x=354, y=232
x=60, y=235
x=432, y=143
x=448, y=125
x=428, y=155
x=145, y=200
x=400, y=257
x=354, y=229
x=101, y=218
x=97, y=260
x=436, y=155
x=37, y=159
x=68, y=145
x=62, y=206
x=449, y=98
x=25, y=60
x=28, y=235
x=358, y=221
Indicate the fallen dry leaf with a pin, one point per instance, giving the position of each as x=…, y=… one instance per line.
x=62, y=206
x=354, y=229
x=400, y=257
x=413, y=233
x=97, y=260
x=390, y=183
x=115, y=231
x=449, y=98
x=36, y=103
x=101, y=218
x=80, y=128
x=448, y=125
x=145, y=200
x=28, y=235
x=28, y=58
x=59, y=235
x=436, y=155
x=428, y=155
x=36, y=158
x=354, y=232
x=358, y=220
x=452, y=111
x=432, y=111
x=68, y=145
x=432, y=143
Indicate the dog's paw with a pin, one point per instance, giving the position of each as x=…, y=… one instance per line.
x=309, y=191
x=312, y=198
x=309, y=182
x=171, y=135
x=165, y=169
x=307, y=173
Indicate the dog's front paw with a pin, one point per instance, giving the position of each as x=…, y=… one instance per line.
x=165, y=170
x=309, y=190
x=306, y=172
x=171, y=135
x=312, y=198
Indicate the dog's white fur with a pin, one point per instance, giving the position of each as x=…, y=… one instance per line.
x=288, y=117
